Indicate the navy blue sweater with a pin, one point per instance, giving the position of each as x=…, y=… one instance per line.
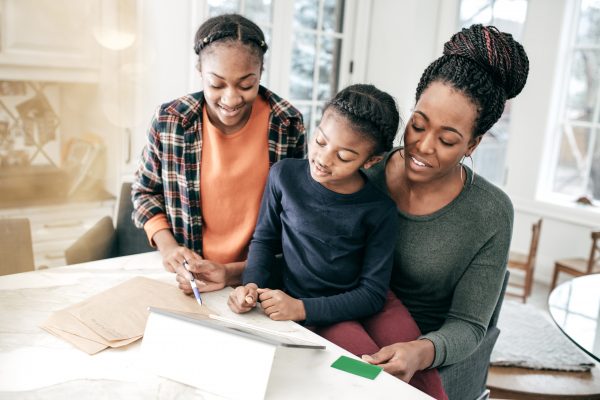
x=337, y=248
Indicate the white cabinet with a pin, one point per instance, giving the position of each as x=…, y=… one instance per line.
x=54, y=228
x=49, y=40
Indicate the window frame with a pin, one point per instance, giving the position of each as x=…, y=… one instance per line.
x=558, y=114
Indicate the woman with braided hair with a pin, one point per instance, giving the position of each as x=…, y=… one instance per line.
x=198, y=188
x=455, y=227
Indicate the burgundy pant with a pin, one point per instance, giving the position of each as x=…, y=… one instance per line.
x=392, y=325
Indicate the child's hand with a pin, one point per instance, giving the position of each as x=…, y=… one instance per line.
x=280, y=306
x=243, y=298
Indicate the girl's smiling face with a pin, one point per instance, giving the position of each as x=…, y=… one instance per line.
x=439, y=133
x=230, y=73
x=336, y=152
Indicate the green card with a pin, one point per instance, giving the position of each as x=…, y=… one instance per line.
x=356, y=367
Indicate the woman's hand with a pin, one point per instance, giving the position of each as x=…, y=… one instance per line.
x=243, y=298
x=404, y=359
x=281, y=307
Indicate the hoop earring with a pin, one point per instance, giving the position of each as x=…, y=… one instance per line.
x=472, y=167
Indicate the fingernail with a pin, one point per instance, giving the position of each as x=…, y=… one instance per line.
x=249, y=299
x=366, y=357
x=201, y=283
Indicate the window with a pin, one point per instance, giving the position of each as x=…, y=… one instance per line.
x=508, y=16
x=316, y=49
x=576, y=157
x=309, y=44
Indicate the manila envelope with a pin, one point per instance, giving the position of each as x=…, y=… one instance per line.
x=117, y=316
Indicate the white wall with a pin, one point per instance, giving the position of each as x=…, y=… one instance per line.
x=405, y=36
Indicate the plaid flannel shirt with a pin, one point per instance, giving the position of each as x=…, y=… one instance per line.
x=168, y=178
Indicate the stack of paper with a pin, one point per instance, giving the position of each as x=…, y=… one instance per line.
x=117, y=316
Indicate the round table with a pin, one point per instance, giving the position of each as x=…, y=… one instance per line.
x=575, y=308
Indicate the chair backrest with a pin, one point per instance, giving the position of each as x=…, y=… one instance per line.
x=594, y=260
x=16, y=249
x=130, y=240
x=97, y=243
x=536, y=230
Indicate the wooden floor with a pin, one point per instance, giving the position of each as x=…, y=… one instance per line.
x=525, y=384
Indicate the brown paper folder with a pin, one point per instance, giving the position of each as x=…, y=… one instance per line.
x=117, y=316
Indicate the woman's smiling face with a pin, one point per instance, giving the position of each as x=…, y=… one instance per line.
x=439, y=133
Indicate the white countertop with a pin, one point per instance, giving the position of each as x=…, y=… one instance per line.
x=36, y=364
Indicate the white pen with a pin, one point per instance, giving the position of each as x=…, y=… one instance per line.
x=193, y=283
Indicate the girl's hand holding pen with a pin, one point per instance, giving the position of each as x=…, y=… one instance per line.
x=209, y=275
x=243, y=298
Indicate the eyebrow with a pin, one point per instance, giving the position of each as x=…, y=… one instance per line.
x=241, y=79
x=343, y=148
x=447, y=128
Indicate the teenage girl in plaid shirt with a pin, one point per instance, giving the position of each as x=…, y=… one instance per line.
x=199, y=185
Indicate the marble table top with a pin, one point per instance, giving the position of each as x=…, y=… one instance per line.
x=35, y=364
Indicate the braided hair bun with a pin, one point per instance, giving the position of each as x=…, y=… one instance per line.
x=496, y=52
x=487, y=65
x=372, y=112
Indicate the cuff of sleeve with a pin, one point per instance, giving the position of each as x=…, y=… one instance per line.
x=155, y=224
x=310, y=309
x=440, y=348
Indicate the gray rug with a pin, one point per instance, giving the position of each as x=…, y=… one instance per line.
x=530, y=339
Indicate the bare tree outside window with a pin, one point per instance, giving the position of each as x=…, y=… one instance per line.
x=316, y=48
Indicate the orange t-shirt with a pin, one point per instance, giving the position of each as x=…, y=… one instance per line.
x=233, y=174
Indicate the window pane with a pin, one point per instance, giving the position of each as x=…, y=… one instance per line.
x=267, y=61
x=571, y=169
x=509, y=16
x=303, y=66
x=305, y=109
x=583, y=85
x=329, y=63
x=217, y=7
x=319, y=113
x=333, y=15
x=589, y=23
x=489, y=158
x=306, y=14
x=475, y=11
x=258, y=11
x=594, y=181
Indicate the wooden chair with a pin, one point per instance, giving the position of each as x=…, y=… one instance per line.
x=579, y=266
x=16, y=249
x=525, y=263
